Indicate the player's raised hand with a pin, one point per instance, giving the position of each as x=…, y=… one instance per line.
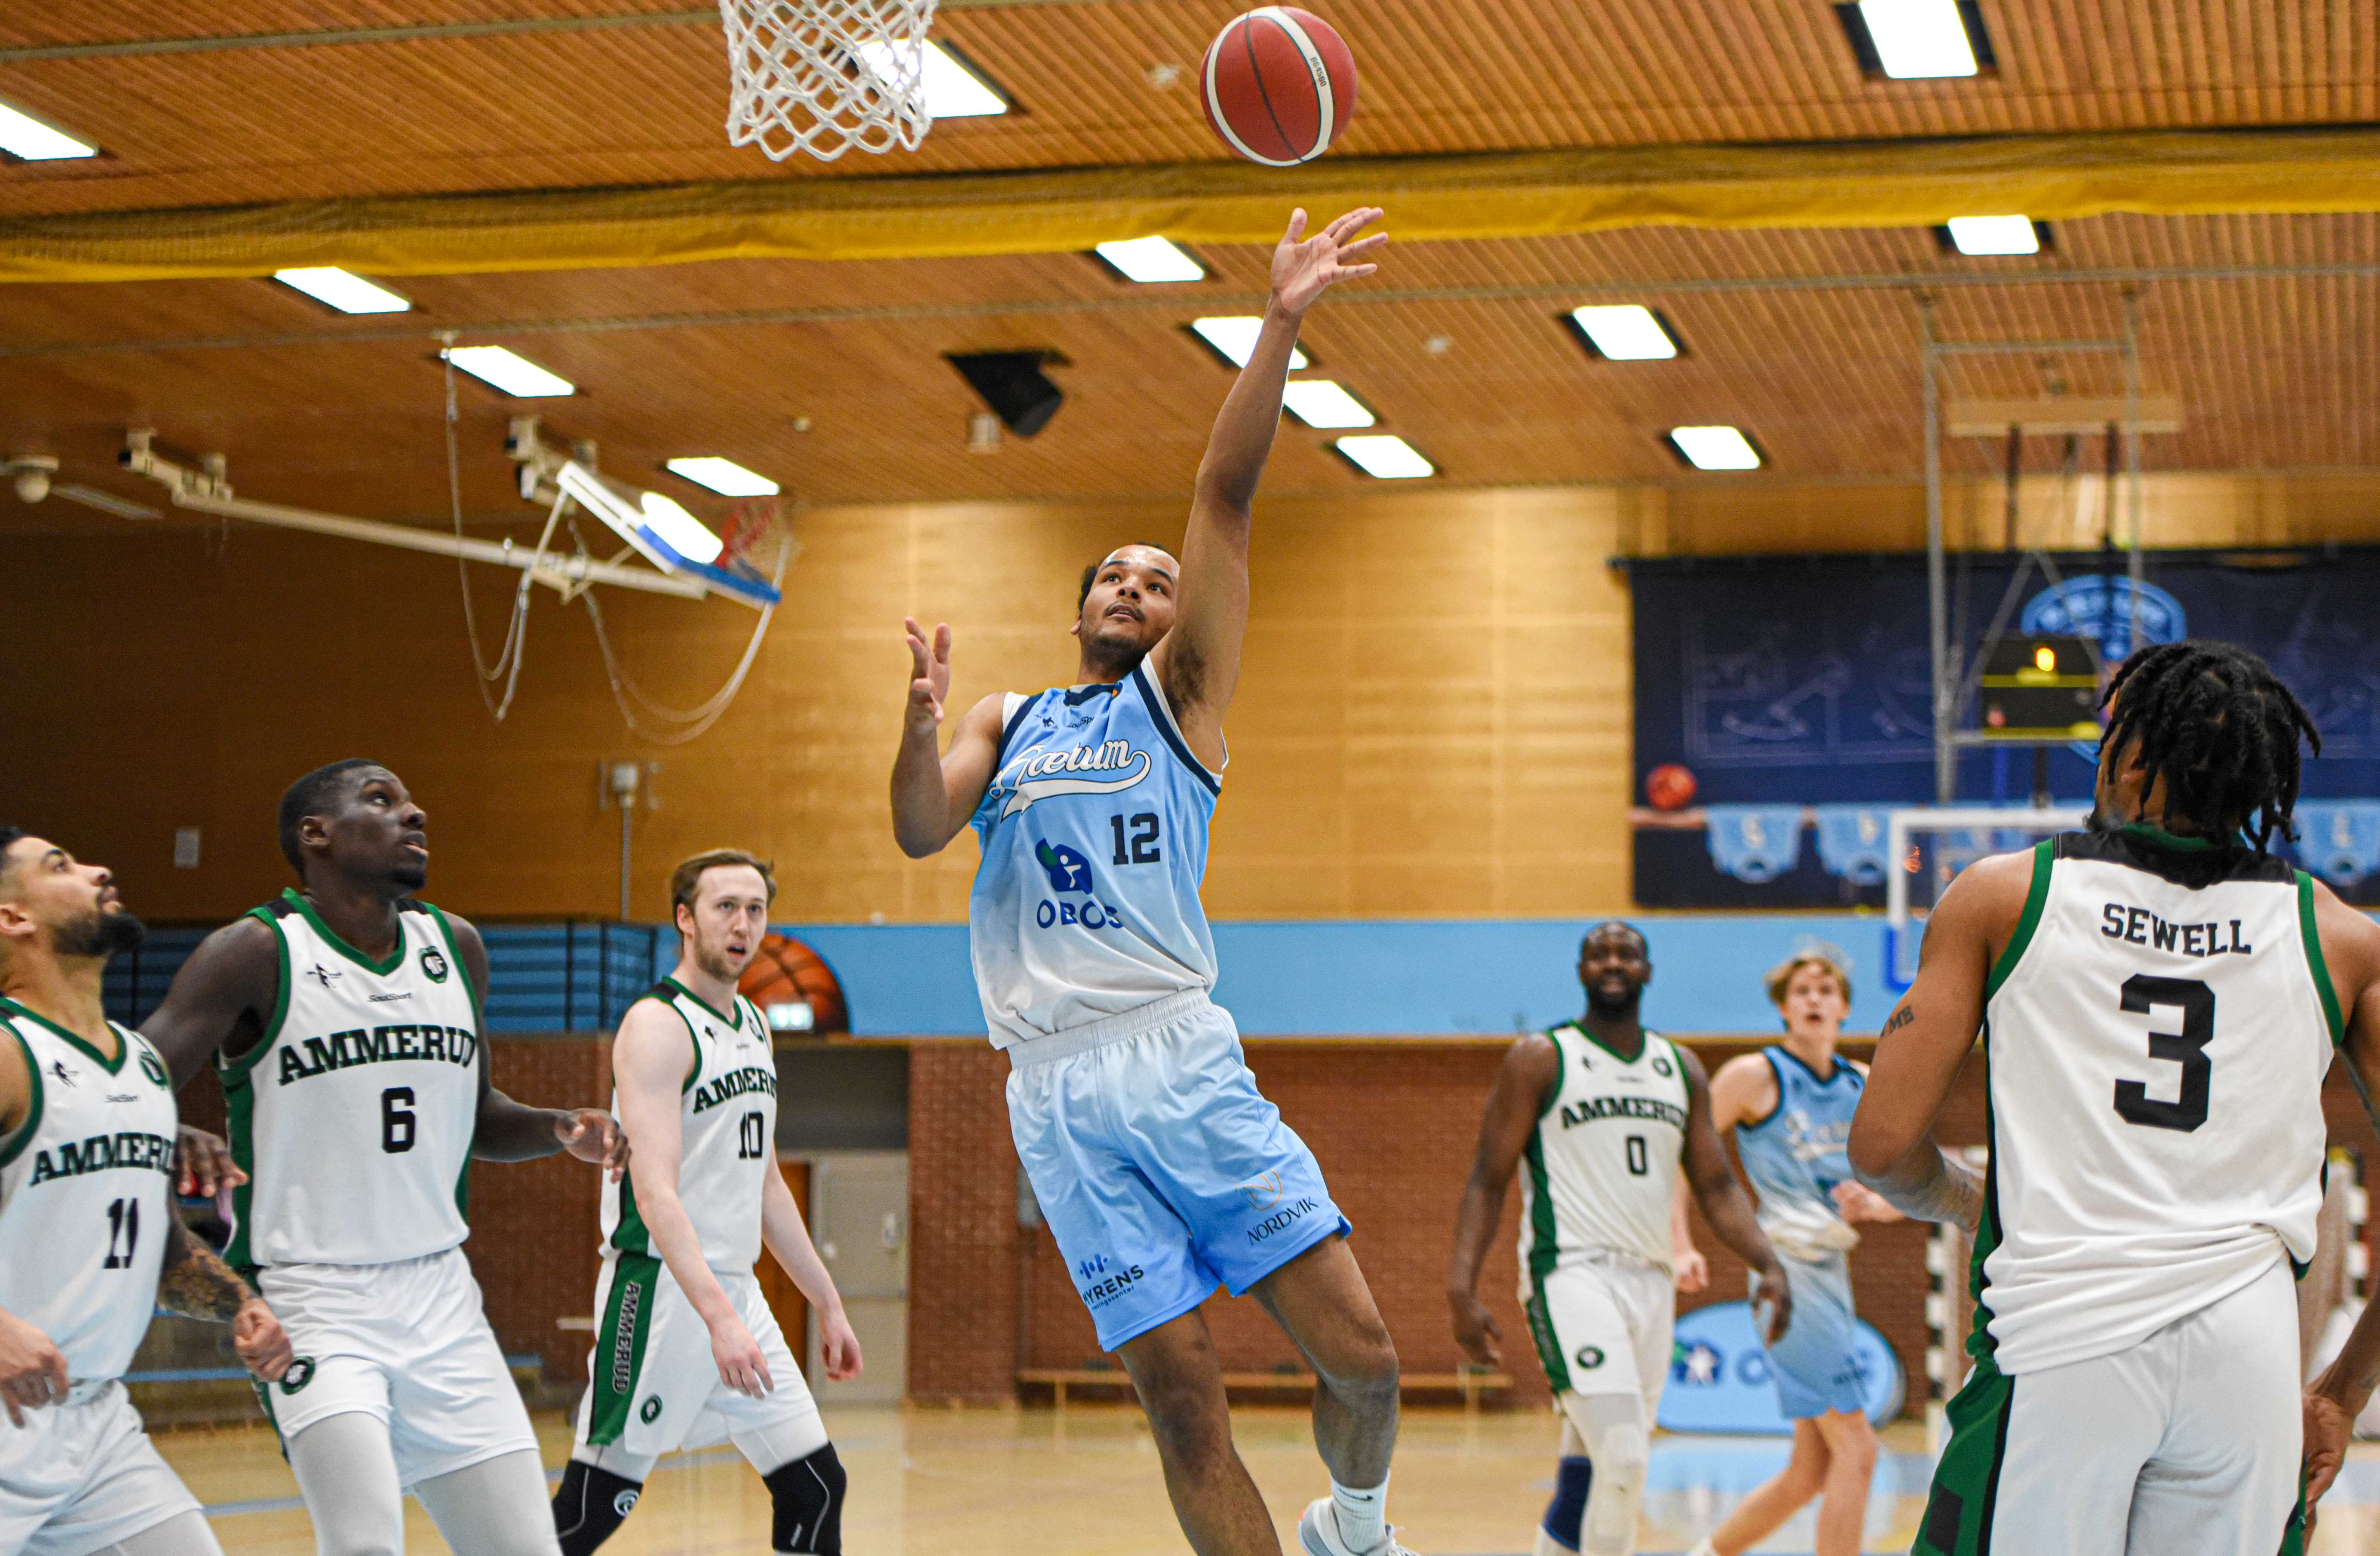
x=261, y=1343
x=203, y=1164
x=1303, y=268
x=1476, y=1329
x=930, y=674
x=839, y=1347
x=592, y=1134
x=741, y=1367
x=32, y=1370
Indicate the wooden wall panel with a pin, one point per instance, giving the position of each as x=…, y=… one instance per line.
x=1433, y=721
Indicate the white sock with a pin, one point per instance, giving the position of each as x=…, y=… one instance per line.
x=1363, y=1515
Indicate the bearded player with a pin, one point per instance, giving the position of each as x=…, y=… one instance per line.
x=89, y=1245
x=1160, y=1169
x=687, y=1351
x=345, y=1019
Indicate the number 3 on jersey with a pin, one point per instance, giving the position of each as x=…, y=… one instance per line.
x=2186, y=1048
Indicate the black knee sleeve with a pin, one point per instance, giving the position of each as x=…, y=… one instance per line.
x=808, y=1497
x=590, y=1506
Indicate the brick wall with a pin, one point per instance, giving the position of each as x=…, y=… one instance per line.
x=1393, y=1126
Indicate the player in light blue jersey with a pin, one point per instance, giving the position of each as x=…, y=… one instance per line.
x=1790, y=1106
x=1161, y=1170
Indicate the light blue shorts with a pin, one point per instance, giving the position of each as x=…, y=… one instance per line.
x=1161, y=1170
x=1817, y=1366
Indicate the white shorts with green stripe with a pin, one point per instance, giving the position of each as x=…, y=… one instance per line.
x=1603, y=1326
x=652, y=1385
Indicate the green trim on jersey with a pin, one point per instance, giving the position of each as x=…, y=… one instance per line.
x=1644, y=1035
x=478, y=996
x=239, y=1123
x=607, y=1415
x=234, y=1069
x=2319, y=969
x=379, y=969
x=735, y=1020
x=2045, y=853
x=1545, y=1233
x=630, y=1235
x=113, y=1066
x=15, y=1146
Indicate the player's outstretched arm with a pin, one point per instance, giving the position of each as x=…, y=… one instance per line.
x=509, y=1131
x=1724, y=1203
x=2350, y=953
x=1198, y=663
x=935, y=792
x=788, y=1239
x=1530, y=1067
x=651, y=1058
x=196, y=1284
x=1925, y=1041
x=219, y=999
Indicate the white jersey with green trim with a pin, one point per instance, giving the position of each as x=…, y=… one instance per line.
x=1603, y=1161
x=728, y=1140
x=2157, y=1030
x=354, y=1116
x=86, y=1193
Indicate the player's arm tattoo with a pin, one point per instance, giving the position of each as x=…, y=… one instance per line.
x=1900, y=1017
x=195, y=1283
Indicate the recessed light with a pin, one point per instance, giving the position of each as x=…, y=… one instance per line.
x=1714, y=448
x=1910, y=40
x=1385, y=457
x=955, y=88
x=1151, y=260
x=1625, y=332
x=1234, y=339
x=30, y=140
x=724, y=476
x=513, y=374
x=1320, y=403
x=1981, y=236
x=343, y=290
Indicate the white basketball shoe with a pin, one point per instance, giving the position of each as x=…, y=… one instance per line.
x=1318, y=1531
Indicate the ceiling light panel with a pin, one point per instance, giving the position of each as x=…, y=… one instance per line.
x=1321, y=404
x=1918, y=38
x=724, y=476
x=954, y=89
x=511, y=373
x=1714, y=448
x=1625, y=332
x=1385, y=457
x=343, y=290
x=31, y=139
x=1234, y=339
x=1152, y=260
x=1983, y=236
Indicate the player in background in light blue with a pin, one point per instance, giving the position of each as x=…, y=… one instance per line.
x=1161, y=1170
x=1790, y=1107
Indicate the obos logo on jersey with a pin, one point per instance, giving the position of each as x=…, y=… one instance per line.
x=1069, y=873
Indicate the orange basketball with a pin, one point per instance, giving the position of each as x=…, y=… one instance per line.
x=796, y=989
x=1669, y=787
x=1278, y=85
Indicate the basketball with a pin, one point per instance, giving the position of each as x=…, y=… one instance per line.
x=1669, y=787
x=1278, y=85
x=785, y=973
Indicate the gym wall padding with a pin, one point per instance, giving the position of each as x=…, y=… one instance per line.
x=1523, y=194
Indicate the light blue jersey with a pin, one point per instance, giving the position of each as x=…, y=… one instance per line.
x=1795, y=1158
x=1094, y=833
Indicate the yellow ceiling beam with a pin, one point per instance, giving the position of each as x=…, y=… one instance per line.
x=1489, y=195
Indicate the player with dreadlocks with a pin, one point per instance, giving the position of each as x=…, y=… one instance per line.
x=2160, y=998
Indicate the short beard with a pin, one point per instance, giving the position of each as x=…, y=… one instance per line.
x=100, y=934
x=411, y=876
x=714, y=962
x=1602, y=1004
x=1112, y=658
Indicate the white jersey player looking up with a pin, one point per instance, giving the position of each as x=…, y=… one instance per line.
x=1605, y=1113
x=345, y=1021
x=2159, y=998
x=1160, y=1169
x=89, y=1245
x=687, y=1351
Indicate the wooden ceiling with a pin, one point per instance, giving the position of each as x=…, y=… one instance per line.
x=2266, y=328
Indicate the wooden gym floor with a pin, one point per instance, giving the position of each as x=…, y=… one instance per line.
x=928, y=1482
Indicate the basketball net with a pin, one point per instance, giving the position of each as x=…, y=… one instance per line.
x=824, y=76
